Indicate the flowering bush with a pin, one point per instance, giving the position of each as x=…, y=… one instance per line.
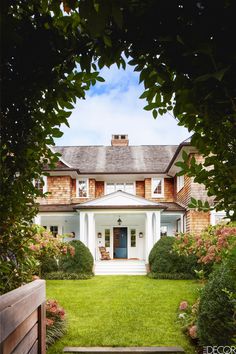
x=187, y=316
x=17, y=261
x=55, y=322
x=47, y=249
x=210, y=246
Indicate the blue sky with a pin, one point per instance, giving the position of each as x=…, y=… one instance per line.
x=114, y=107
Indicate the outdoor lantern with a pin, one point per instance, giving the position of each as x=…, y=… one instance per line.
x=140, y=235
x=119, y=221
x=99, y=235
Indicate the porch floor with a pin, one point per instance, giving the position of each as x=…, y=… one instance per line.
x=120, y=266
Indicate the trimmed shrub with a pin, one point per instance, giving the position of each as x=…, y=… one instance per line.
x=173, y=276
x=80, y=262
x=163, y=259
x=48, y=264
x=217, y=313
x=67, y=276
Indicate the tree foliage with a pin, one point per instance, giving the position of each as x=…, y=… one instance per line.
x=51, y=50
x=186, y=57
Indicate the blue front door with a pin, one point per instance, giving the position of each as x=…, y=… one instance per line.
x=120, y=242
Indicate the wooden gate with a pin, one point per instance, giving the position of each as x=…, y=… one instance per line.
x=22, y=320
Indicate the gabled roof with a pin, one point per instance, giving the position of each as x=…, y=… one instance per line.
x=118, y=159
x=120, y=200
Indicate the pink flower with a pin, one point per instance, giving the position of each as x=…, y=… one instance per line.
x=193, y=331
x=49, y=322
x=183, y=305
x=33, y=248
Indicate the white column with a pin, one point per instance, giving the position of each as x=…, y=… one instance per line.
x=82, y=227
x=157, y=235
x=148, y=234
x=37, y=219
x=91, y=233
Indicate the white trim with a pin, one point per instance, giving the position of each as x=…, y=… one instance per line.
x=86, y=180
x=45, y=185
x=119, y=199
x=160, y=195
x=45, y=182
x=180, y=183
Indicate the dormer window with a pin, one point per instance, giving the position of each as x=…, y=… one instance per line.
x=157, y=187
x=82, y=188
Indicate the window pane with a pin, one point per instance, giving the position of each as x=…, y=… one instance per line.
x=120, y=186
x=82, y=186
x=180, y=183
x=129, y=188
x=110, y=188
x=133, y=238
x=54, y=230
x=107, y=237
x=39, y=184
x=157, y=186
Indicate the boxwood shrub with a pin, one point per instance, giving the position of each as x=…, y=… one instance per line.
x=217, y=309
x=48, y=264
x=163, y=259
x=81, y=262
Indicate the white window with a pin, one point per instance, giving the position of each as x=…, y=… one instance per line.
x=82, y=188
x=41, y=184
x=218, y=217
x=157, y=187
x=129, y=188
x=125, y=187
x=180, y=183
x=54, y=230
x=110, y=188
x=120, y=186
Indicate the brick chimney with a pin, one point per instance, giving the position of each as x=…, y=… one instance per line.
x=119, y=140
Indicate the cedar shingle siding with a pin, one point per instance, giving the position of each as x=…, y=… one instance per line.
x=130, y=160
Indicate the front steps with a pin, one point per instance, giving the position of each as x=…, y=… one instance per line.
x=120, y=267
x=124, y=350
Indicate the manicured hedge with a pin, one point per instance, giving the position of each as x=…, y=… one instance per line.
x=67, y=276
x=81, y=262
x=163, y=259
x=48, y=265
x=173, y=276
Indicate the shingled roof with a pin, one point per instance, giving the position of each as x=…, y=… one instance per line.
x=118, y=159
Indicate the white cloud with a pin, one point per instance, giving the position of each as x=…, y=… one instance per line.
x=114, y=107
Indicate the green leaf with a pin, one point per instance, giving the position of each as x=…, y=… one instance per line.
x=107, y=41
x=100, y=79
x=154, y=113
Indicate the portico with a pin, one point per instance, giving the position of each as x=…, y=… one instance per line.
x=127, y=225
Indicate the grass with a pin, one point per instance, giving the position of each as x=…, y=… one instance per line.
x=122, y=311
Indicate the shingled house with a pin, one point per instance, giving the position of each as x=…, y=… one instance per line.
x=122, y=197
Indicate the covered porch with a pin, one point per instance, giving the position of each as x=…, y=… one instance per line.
x=126, y=234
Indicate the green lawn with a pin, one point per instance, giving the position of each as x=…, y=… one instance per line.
x=122, y=311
